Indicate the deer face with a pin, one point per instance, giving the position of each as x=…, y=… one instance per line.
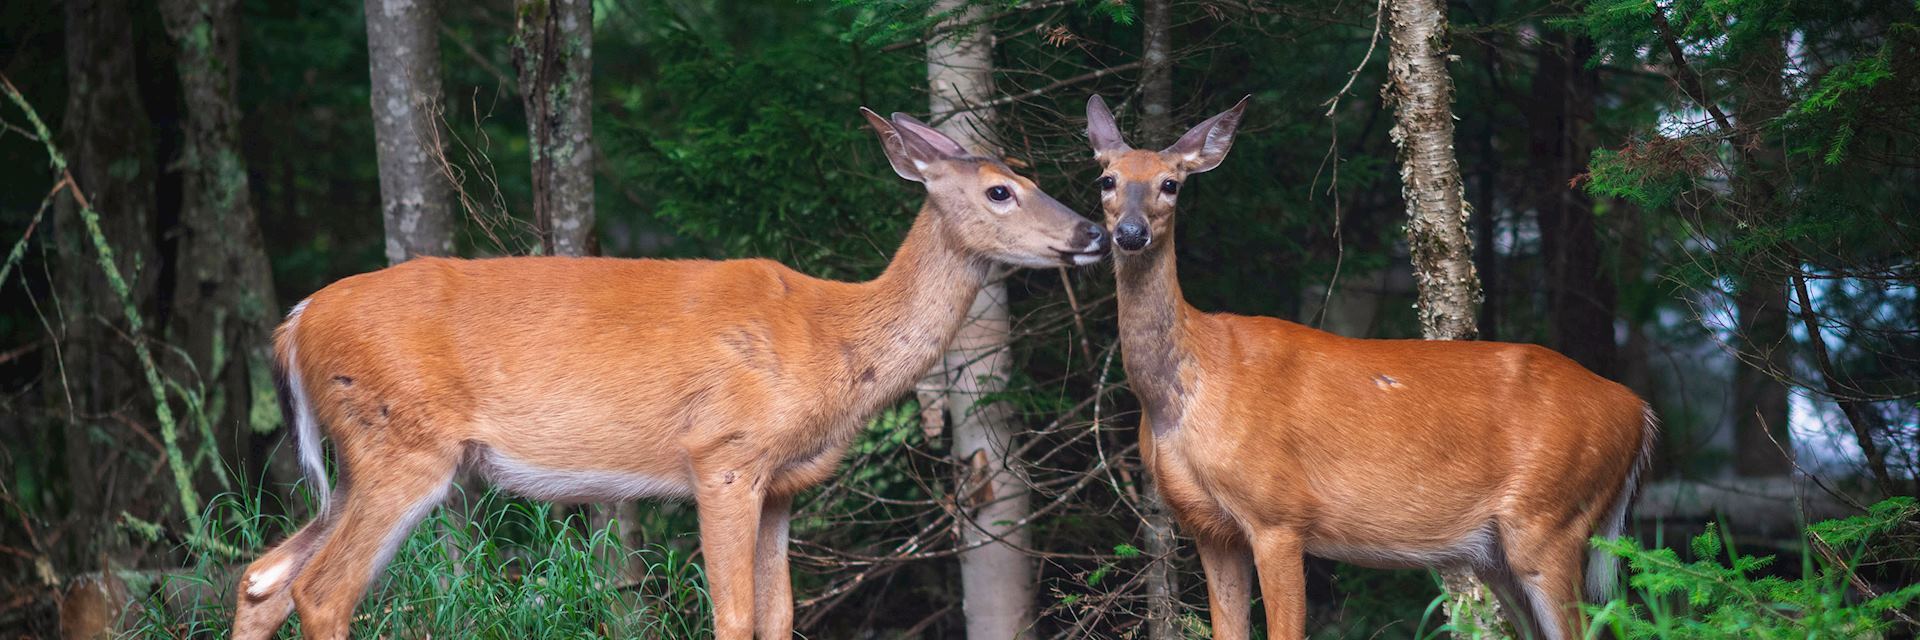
x=1138, y=188
x=982, y=205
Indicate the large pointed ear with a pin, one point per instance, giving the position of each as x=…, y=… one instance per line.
x=939, y=143
x=1204, y=146
x=1102, y=133
x=895, y=145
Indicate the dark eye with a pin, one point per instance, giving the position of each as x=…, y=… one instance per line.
x=999, y=194
x=1106, y=183
x=1170, y=187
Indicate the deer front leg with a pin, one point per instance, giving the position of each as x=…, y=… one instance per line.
x=772, y=584
x=729, y=497
x=1229, y=567
x=1283, y=582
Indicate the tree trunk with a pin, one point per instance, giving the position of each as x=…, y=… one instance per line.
x=403, y=48
x=1422, y=95
x=1762, y=444
x=1162, y=544
x=1437, y=213
x=109, y=148
x=1580, y=295
x=223, y=299
x=996, y=577
x=553, y=54
x=1762, y=440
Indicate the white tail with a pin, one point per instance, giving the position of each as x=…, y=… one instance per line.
x=1603, y=569
x=738, y=383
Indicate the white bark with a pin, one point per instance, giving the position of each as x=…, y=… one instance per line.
x=403, y=47
x=1162, y=542
x=1422, y=95
x=1437, y=232
x=997, y=577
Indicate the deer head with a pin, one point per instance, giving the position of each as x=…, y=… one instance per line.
x=1138, y=188
x=983, y=206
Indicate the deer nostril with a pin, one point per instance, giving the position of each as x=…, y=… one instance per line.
x=1094, y=235
x=1130, y=235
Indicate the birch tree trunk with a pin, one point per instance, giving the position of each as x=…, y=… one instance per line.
x=1162, y=544
x=553, y=54
x=996, y=577
x=1421, y=93
x=403, y=49
x=109, y=148
x=223, y=300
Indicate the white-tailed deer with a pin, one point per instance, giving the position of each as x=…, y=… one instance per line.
x=1271, y=440
x=736, y=383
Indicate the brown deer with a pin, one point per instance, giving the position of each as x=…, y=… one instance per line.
x=1271, y=440
x=736, y=383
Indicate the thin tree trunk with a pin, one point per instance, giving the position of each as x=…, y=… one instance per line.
x=1762, y=439
x=223, y=298
x=1437, y=215
x=109, y=148
x=553, y=54
x=1860, y=414
x=1580, y=295
x=996, y=577
x=1759, y=395
x=403, y=48
x=1162, y=579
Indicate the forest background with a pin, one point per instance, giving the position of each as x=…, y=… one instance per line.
x=1710, y=201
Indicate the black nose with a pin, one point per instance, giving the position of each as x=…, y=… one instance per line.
x=1130, y=235
x=1093, y=238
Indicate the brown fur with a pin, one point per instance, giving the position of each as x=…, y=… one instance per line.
x=739, y=383
x=1271, y=440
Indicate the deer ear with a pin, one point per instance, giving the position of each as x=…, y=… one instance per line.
x=1102, y=133
x=1204, y=146
x=895, y=145
x=939, y=143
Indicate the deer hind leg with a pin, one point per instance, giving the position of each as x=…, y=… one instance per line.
x=1228, y=562
x=265, y=594
x=1513, y=599
x=1548, y=565
x=388, y=497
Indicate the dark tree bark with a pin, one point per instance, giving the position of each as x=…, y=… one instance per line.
x=109, y=148
x=1421, y=92
x=403, y=48
x=1580, y=293
x=223, y=298
x=1763, y=443
x=1162, y=544
x=1759, y=396
x=553, y=54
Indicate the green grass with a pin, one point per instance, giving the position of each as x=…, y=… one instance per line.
x=516, y=571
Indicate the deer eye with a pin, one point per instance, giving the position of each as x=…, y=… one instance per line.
x=1106, y=183
x=999, y=194
x=1170, y=187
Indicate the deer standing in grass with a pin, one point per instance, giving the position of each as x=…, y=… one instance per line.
x=736, y=383
x=1271, y=440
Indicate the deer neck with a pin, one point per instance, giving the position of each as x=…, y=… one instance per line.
x=902, y=321
x=1154, y=339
